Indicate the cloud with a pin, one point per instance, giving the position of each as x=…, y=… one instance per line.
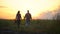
x=2, y=6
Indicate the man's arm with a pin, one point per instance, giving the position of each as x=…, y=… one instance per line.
x=20, y=16
x=25, y=16
x=30, y=16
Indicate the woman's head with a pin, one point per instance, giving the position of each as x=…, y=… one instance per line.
x=18, y=11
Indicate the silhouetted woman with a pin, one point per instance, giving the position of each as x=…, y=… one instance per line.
x=18, y=18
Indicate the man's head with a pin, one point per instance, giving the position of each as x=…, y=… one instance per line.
x=27, y=11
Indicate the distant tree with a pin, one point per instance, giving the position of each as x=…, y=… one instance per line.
x=57, y=15
x=56, y=22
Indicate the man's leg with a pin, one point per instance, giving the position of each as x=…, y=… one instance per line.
x=26, y=23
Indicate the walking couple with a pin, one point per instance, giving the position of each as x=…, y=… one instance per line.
x=27, y=18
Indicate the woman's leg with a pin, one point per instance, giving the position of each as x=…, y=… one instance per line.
x=18, y=24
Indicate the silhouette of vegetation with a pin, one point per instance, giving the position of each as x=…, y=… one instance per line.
x=47, y=26
x=56, y=23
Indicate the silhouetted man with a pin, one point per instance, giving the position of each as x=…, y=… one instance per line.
x=18, y=18
x=27, y=18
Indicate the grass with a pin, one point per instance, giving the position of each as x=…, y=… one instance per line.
x=35, y=25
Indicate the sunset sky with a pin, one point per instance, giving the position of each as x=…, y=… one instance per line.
x=37, y=8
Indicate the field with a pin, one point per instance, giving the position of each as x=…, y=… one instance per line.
x=38, y=26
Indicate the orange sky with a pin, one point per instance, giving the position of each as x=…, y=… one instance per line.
x=9, y=8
